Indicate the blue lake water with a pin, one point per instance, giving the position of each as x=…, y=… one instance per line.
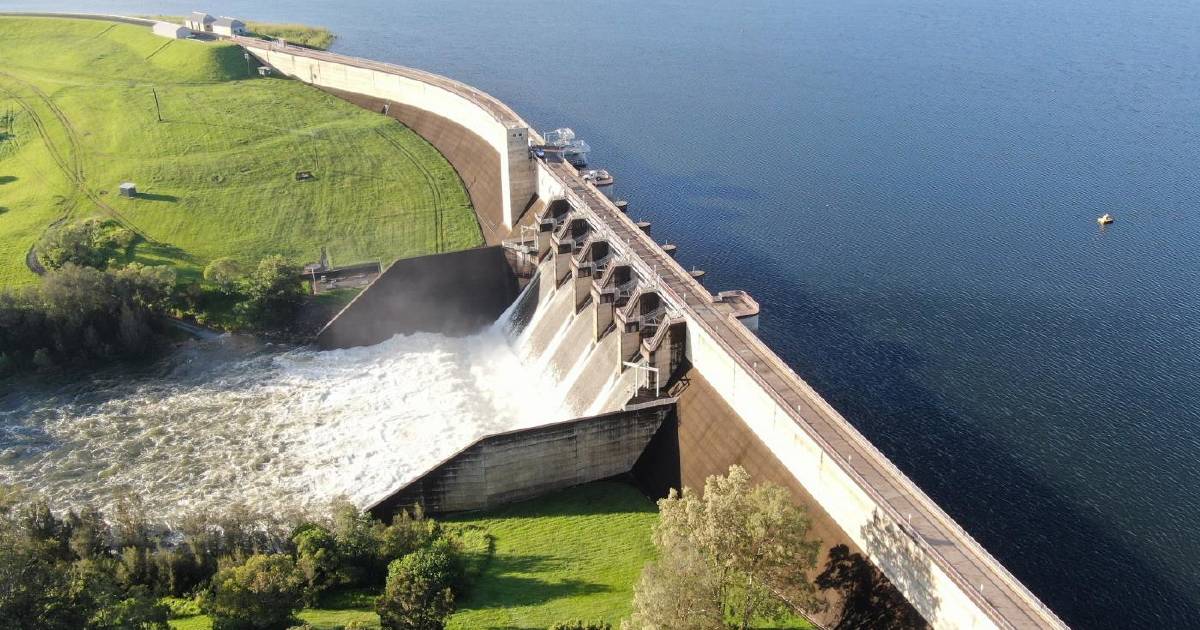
x=910, y=190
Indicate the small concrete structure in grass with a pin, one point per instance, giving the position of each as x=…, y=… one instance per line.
x=129, y=189
x=228, y=27
x=171, y=31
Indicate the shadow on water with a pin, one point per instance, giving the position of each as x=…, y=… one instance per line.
x=1047, y=540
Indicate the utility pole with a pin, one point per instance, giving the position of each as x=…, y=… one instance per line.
x=157, y=108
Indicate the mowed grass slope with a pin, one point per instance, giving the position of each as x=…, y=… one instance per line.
x=218, y=174
x=572, y=554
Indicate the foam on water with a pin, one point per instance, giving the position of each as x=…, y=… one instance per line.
x=281, y=429
x=275, y=428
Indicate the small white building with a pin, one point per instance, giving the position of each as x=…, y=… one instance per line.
x=171, y=31
x=200, y=22
x=228, y=27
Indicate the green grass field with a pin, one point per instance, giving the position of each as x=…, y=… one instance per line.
x=572, y=554
x=217, y=176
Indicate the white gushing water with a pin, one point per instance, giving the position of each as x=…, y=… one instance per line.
x=229, y=420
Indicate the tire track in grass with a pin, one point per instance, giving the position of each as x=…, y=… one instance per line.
x=430, y=180
x=72, y=163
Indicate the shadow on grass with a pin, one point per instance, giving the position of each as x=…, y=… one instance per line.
x=7, y=179
x=154, y=197
x=507, y=583
x=187, y=266
x=349, y=598
x=599, y=497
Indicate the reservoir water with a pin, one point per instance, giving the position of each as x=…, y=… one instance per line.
x=910, y=190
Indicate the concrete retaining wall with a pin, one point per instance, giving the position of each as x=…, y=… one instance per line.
x=525, y=464
x=456, y=293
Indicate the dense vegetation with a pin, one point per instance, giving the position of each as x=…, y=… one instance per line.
x=92, y=304
x=569, y=561
x=217, y=177
x=88, y=570
x=80, y=314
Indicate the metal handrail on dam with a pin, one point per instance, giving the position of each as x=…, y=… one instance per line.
x=976, y=571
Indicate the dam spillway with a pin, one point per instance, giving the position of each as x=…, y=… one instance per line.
x=947, y=576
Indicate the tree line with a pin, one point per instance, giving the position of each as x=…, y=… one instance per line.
x=92, y=304
x=89, y=570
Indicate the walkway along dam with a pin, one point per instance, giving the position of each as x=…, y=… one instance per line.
x=615, y=309
x=665, y=379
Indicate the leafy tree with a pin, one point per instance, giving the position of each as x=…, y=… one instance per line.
x=739, y=552
x=111, y=607
x=317, y=558
x=418, y=594
x=224, y=273
x=35, y=587
x=88, y=243
x=357, y=542
x=89, y=533
x=264, y=593
x=79, y=314
x=408, y=532
x=273, y=292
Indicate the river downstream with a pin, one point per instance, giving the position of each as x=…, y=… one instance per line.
x=278, y=429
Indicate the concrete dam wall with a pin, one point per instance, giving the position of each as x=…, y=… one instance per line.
x=524, y=464
x=613, y=309
x=456, y=293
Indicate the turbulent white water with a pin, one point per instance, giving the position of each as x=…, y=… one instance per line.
x=229, y=420
x=283, y=429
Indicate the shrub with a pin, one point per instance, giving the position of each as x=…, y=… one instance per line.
x=273, y=293
x=418, y=594
x=408, y=532
x=317, y=559
x=224, y=273
x=179, y=608
x=88, y=243
x=262, y=593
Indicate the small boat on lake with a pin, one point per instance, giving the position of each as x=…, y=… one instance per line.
x=1105, y=220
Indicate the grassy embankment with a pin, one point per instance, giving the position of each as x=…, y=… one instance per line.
x=573, y=554
x=217, y=175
